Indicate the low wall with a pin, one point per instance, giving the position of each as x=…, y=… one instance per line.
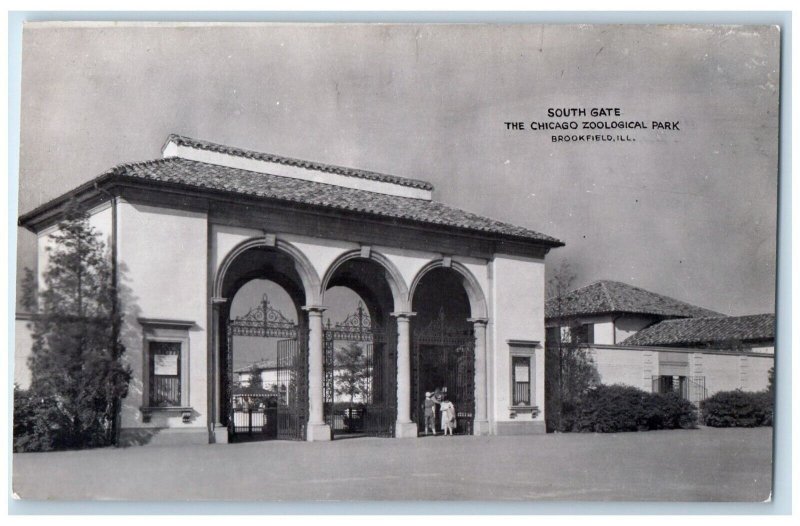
x=722, y=370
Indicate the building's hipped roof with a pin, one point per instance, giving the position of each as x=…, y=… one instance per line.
x=311, y=165
x=697, y=331
x=177, y=172
x=267, y=363
x=251, y=391
x=609, y=297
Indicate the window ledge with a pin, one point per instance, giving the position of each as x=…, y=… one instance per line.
x=515, y=410
x=147, y=412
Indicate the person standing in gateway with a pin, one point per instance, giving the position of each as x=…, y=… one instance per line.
x=448, y=411
x=430, y=413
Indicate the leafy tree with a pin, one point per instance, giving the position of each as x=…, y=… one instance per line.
x=352, y=373
x=569, y=368
x=256, y=381
x=352, y=376
x=77, y=373
x=771, y=381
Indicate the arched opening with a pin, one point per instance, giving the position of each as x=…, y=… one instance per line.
x=443, y=350
x=360, y=343
x=263, y=346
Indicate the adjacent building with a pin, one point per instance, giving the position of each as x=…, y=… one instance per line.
x=657, y=343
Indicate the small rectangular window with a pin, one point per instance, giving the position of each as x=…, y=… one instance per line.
x=521, y=380
x=165, y=374
x=582, y=333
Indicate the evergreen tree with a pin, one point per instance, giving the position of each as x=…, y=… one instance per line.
x=77, y=373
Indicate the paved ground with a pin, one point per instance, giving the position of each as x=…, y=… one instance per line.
x=701, y=465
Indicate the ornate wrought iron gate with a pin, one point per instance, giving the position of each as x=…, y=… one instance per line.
x=443, y=357
x=371, y=374
x=293, y=373
x=285, y=414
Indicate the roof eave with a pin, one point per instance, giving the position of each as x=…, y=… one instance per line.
x=42, y=216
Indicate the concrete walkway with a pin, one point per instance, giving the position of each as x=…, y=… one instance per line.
x=699, y=465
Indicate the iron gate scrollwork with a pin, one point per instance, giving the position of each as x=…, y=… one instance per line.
x=443, y=357
x=373, y=370
x=281, y=412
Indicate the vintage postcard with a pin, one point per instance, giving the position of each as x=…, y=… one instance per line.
x=403, y=262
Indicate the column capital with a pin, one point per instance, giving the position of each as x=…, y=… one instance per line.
x=479, y=321
x=314, y=309
x=403, y=315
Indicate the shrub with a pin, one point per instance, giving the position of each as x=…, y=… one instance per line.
x=614, y=408
x=671, y=411
x=36, y=422
x=738, y=409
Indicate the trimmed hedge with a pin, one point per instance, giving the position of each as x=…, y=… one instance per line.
x=615, y=408
x=738, y=409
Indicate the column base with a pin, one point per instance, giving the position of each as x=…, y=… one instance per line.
x=219, y=435
x=318, y=433
x=405, y=430
x=481, y=428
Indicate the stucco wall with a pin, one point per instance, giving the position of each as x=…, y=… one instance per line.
x=100, y=218
x=22, y=350
x=225, y=238
x=757, y=372
x=518, y=314
x=603, y=330
x=626, y=326
x=162, y=258
x=722, y=371
x=617, y=366
x=602, y=327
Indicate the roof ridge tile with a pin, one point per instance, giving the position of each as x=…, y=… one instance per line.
x=202, y=144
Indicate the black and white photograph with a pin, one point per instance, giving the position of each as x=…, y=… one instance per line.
x=409, y=262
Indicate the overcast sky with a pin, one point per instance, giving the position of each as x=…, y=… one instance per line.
x=687, y=213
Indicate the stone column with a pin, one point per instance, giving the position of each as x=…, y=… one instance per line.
x=481, y=426
x=317, y=429
x=404, y=427
x=219, y=432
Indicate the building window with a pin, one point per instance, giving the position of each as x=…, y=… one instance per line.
x=521, y=380
x=165, y=366
x=570, y=334
x=165, y=374
x=582, y=333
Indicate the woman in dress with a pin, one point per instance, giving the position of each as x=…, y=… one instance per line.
x=448, y=412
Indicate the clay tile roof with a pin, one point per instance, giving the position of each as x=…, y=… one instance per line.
x=608, y=297
x=268, y=363
x=697, y=331
x=310, y=165
x=199, y=175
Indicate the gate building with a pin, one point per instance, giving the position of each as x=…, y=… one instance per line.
x=443, y=301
